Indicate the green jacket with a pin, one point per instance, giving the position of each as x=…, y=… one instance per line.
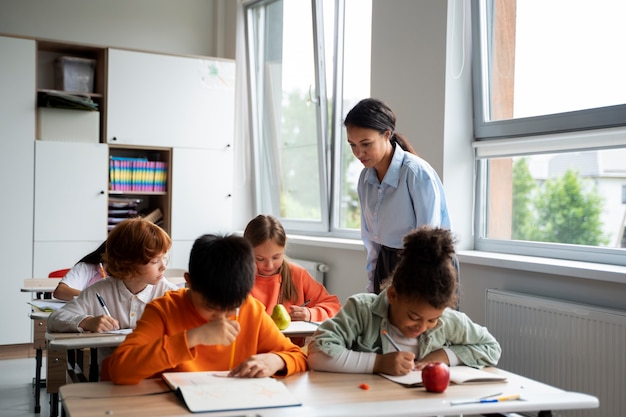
x=359, y=324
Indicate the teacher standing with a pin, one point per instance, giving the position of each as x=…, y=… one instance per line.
x=398, y=191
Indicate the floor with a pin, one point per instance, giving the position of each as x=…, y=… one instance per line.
x=16, y=388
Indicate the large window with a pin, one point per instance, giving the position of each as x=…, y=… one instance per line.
x=309, y=63
x=550, y=110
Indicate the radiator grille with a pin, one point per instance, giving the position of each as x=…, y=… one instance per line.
x=572, y=346
x=316, y=269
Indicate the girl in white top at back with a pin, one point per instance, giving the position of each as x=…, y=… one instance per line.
x=85, y=272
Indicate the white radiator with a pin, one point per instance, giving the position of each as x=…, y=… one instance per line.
x=572, y=346
x=316, y=269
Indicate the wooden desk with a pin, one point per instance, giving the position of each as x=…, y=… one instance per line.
x=329, y=394
x=40, y=285
x=58, y=371
x=178, y=281
x=43, y=288
x=300, y=329
x=58, y=344
x=47, y=285
x=40, y=322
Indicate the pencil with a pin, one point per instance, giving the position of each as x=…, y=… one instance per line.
x=102, y=271
x=393, y=342
x=232, y=347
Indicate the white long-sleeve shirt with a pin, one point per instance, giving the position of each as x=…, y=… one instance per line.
x=123, y=305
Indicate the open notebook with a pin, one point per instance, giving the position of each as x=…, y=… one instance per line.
x=458, y=375
x=47, y=306
x=215, y=391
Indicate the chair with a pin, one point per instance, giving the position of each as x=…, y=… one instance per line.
x=59, y=273
x=104, y=371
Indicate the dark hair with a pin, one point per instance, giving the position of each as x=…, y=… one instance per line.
x=94, y=257
x=426, y=269
x=263, y=228
x=371, y=113
x=221, y=269
x=131, y=244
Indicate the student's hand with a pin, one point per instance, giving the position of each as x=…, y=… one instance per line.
x=298, y=313
x=394, y=363
x=100, y=324
x=258, y=366
x=217, y=332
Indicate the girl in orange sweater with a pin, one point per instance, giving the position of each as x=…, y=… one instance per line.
x=281, y=282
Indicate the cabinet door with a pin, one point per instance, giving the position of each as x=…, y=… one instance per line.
x=54, y=255
x=17, y=156
x=202, y=182
x=171, y=101
x=70, y=191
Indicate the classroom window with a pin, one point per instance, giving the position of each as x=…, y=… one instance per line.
x=550, y=110
x=309, y=63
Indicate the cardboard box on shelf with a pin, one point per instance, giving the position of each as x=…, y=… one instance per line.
x=68, y=125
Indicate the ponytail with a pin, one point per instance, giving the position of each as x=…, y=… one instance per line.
x=404, y=144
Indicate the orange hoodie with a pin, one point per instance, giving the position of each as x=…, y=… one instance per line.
x=159, y=342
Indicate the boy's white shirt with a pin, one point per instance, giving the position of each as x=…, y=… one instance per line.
x=123, y=305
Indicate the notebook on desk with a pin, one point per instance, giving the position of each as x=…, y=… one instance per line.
x=215, y=391
x=47, y=306
x=458, y=375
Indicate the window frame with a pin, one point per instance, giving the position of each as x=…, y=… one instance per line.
x=593, y=118
x=329, y=127
x=594, y=128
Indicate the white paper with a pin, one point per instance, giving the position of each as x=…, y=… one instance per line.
x=214, y=391
x=458, y=375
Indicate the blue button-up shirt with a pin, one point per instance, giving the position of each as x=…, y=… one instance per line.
x=410, y=195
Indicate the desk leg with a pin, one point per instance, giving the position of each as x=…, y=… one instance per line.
x=93, y=365
x=38, y=360
x=54, y=404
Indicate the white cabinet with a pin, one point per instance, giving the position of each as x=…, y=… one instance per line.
x=17, y=134
x=202, y=184
x=71, y=182
x=169, y=101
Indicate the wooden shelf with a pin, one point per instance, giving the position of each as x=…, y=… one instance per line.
x=90, y=95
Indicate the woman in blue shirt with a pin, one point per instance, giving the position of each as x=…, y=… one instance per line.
x=398, y=190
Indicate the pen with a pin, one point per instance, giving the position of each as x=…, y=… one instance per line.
x=393, y=343
x=305, y=303
x=488, y=400
x=103, y=304
x=490, y=395
x=232, y=347
x=102, y=271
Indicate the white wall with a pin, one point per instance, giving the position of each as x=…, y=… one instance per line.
x=187, y=27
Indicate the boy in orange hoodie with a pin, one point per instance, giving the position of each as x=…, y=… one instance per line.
x=214, y=325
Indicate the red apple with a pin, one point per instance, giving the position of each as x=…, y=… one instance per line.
x=436, y=376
